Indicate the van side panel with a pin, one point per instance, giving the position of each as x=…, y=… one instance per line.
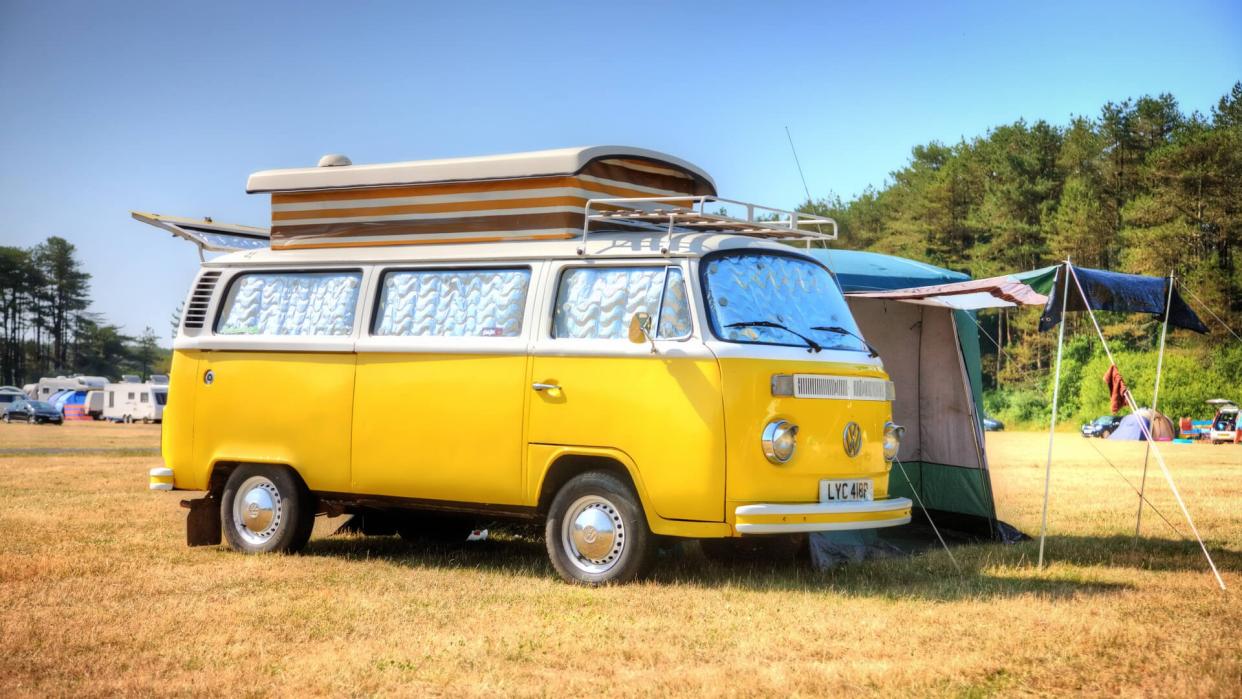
x=440, y=426
x=663, y=411
x=292, y=408
x=177, y=435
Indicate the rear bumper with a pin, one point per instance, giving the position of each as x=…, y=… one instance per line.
x=791, y=518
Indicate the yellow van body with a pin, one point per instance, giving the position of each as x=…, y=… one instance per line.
x=470, y=427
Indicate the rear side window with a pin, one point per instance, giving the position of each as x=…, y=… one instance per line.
x=290, y=303
x=598, y=302
x=452, y=303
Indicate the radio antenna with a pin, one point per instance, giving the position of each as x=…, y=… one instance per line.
x=805, y=188
x=799, y=164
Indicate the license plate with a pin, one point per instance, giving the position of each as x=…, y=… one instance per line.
x=845, y=491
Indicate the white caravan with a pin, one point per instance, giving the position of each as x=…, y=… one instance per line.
x=49, y=386
x=132, y=400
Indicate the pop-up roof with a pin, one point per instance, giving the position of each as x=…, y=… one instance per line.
x=538, y=195
x=542, y=195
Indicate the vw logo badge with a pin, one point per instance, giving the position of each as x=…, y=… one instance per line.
x=853, y=439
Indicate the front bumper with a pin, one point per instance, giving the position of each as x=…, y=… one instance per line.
x=160, y=479
x=791, y=518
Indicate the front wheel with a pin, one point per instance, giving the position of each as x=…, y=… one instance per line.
x=596, y=532
x=266, y=509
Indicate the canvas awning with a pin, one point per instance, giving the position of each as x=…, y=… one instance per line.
x=1006, y=291
x=1115, y=291
x=1105, y=291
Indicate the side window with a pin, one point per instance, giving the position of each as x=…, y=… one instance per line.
x=131, y=396
x=143, y=397
x=290, y=303
x=111, y=399
x=452, y=303
x=598, y=302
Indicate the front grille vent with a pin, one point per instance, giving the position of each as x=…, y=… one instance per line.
x=832, y=387
x=196, y=310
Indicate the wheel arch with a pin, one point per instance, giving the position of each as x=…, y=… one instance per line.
x=220, y=471
x=569, y=464
x=551, y=466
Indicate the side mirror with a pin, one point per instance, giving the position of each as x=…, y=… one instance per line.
x=640, y=329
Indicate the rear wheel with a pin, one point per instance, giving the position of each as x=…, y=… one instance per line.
x=596, y=532
x=266, y=509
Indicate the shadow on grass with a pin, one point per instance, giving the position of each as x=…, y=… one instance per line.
x=988, y=570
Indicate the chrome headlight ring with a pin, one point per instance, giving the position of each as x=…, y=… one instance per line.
x=892, y=440
x=780, y=440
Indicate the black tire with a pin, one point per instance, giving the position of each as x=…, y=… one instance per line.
x=432, y=528
x=611, y=503
x=293, y=511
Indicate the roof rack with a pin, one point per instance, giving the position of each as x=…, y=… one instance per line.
x=689, y=214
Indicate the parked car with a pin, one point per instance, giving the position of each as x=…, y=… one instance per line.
x=1224, y=428
x=1101, y=427
x=991, y=424
x=35, y=411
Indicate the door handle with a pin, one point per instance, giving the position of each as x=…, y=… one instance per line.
x=545, y=387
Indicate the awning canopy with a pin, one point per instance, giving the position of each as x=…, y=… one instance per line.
x=1006, y=291
x=1114, y=291
x=1103, y=290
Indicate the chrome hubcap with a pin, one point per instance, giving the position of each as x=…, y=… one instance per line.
x=257, y=510
x=593, y=534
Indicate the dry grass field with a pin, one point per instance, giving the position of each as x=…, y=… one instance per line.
x=100, y=596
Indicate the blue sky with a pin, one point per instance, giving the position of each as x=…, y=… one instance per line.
x=167, y=107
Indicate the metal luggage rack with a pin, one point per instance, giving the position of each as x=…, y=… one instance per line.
x=689, y=214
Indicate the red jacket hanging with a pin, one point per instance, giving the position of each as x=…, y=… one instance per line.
x=1116, y=387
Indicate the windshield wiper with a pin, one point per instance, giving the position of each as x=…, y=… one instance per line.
x=842, y=331
x=811, y=345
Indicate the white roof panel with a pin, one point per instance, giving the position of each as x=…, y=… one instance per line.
x=560, y=161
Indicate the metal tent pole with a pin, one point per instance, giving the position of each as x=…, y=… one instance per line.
x=1155, y=396
x=1164, y=468
x=1052, y=427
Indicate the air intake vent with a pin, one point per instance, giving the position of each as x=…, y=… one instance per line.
x=196, y=311
x=832, y=387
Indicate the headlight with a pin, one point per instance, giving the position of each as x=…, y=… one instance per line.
x=780, y=438
x=892, y=440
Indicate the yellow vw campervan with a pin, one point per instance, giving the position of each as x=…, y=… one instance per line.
x=586, y=337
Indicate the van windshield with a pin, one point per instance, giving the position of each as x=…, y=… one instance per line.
x=749, y=294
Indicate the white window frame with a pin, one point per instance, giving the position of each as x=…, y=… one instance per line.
x=208, y=339
x=428, y=344
x=545, y=344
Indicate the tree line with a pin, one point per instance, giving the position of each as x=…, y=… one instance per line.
x=47, y=329
x=1140, y=187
